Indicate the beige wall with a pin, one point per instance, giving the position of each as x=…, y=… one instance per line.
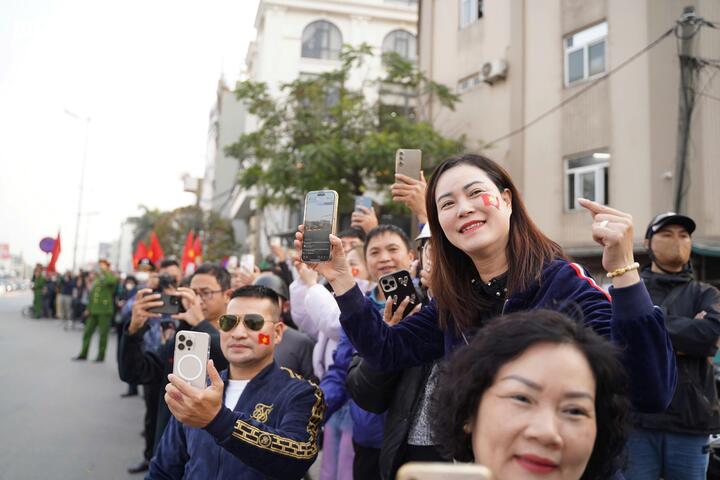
x=632, y=114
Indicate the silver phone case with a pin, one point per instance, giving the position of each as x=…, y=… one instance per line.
x=192, y=351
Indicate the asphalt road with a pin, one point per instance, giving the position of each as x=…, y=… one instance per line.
x=61, y=419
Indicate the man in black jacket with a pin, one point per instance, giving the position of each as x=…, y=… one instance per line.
x=674, y=444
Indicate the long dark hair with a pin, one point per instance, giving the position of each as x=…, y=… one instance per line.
x=527, y=251
x=472, y=369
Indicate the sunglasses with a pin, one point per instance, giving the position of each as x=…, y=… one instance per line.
x=252, y=321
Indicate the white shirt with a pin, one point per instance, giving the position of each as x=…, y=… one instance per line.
x=233, y=391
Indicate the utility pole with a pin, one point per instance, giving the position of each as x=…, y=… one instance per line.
x=687, y=28
x=82, y=183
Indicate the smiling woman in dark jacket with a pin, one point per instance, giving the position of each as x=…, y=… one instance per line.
x=483, y=237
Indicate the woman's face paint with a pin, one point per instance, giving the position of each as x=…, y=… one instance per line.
x=263, y=339
x=490, y=200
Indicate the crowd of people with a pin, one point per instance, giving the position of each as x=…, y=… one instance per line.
x=513, y=356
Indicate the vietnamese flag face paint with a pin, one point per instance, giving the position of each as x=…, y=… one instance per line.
x=263, y=339
x=490, y=200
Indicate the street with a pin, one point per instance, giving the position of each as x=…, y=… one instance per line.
x=61, y=419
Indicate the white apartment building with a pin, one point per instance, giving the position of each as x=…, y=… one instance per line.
x=514, y=60
x=304, y=37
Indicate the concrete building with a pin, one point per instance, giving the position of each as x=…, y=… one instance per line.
x=303, y=38
x=512, y=61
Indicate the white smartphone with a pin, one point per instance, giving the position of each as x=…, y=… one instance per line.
x=232, y=262
x=275, y=241
x=247, y=262
x=192, y=351
x=443, y=471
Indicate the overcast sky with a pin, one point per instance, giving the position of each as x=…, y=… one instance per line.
x=145, y=72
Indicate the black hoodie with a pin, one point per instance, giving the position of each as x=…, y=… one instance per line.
x=694, y=408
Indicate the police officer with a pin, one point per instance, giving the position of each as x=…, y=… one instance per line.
x=100, y=310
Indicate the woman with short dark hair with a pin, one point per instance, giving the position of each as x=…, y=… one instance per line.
x=489, y=259
x=534, y=392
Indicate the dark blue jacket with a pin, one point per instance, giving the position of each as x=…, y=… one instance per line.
x=368, y=427
x=271, y=433
x=630, y=321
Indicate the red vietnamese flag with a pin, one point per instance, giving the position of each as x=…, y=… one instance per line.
x=156, y=252
x=490, y=200
x=188, y=255
x=263, y=339
x=140, y=253
x=197, y=248
x=55, y=254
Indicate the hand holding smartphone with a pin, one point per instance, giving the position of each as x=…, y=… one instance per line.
x=399, y=286
x=408, y=162
x=320, y=221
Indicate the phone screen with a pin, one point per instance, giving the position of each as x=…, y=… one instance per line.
x=319, y=218
x=363, y=201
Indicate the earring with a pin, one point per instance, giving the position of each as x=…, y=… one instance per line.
x=467, y=429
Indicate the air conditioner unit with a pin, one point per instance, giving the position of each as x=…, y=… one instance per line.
x=493, y=71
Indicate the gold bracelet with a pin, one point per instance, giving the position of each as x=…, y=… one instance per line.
x=620, y=271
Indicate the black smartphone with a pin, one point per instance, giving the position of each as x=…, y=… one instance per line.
x=172, y=305
x=319, y=221
x=398, y=286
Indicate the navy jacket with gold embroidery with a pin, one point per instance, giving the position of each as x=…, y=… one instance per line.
x=271, y=433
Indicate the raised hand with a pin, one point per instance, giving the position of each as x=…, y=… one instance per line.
x=613, y=230
x=411, y=192
x=336, y=270
x=144, y=299
x=191, y=406
x=364, y=218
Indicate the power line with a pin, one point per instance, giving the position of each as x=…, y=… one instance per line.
x=585, y=89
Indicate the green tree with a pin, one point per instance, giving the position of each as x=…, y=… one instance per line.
x=172, y=228
x=323, y=134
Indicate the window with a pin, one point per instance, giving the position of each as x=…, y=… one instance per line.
x=321, y=39
x=587, y=177
x=401, y=42
x=585, y=53
x=470, y=12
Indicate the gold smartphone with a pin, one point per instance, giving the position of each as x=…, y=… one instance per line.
x=443, y=471
x=192, y=351
x=408, y=162
x=320, y=220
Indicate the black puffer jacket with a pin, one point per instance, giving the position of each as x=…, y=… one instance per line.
x=694, y=408
x=398, y=394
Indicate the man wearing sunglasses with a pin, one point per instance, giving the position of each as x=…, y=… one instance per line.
x=255, y=420
x=204, y=302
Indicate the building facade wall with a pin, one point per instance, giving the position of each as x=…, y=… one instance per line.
x=632, y=114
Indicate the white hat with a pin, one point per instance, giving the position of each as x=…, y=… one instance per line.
x=425, y=233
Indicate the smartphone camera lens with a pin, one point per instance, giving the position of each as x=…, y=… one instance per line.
x=182, y=338
x=189, y=343
x=181, y=346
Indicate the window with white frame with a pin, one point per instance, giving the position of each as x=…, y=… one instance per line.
x=401, y=42
x=470, y=12
x=321, y=39
x=586, y=53
x=586, y=177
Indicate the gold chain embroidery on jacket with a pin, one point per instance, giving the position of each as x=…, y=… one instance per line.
x=283, y=445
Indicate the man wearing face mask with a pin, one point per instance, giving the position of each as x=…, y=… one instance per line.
x=674, y=444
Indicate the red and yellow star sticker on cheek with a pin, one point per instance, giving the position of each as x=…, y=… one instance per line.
x=263, y=339
x=490, y=200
